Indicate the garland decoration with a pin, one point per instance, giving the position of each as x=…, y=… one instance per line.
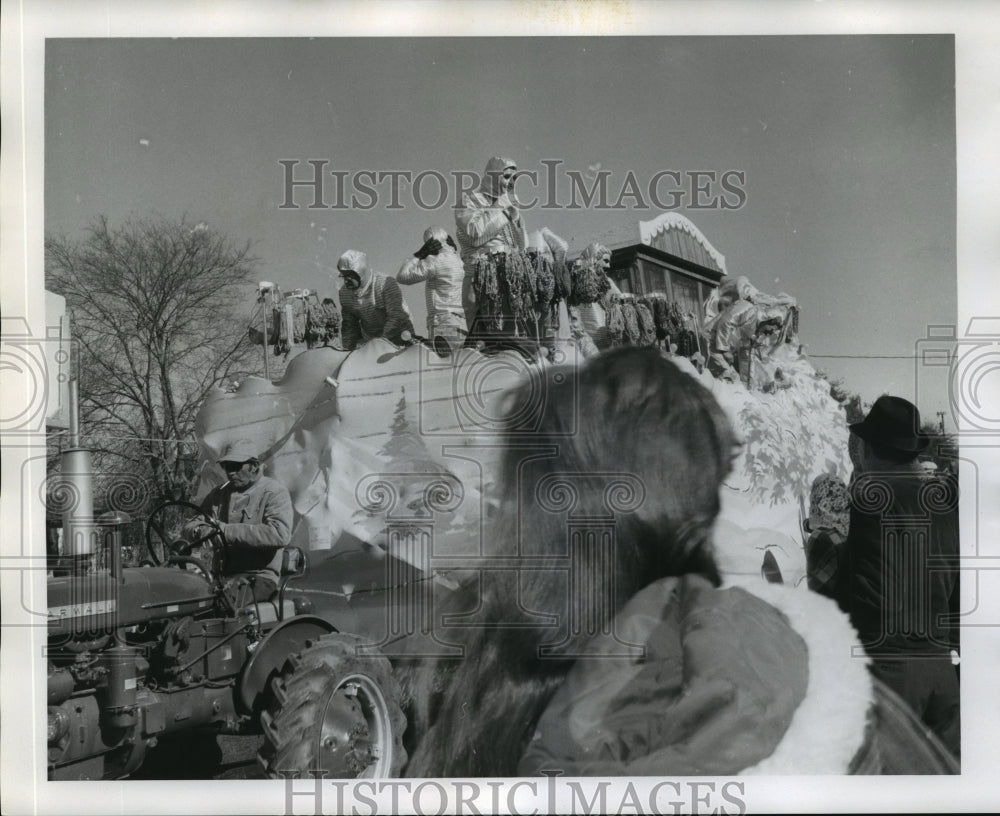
x=589, y=282
x=545, y=279
x=674, y=322
x=661, y=312
x=647, y=327
x=564, y=279
x=486, y=284
x=518, y=278
x=616, y=320
x=632, y=335
x=322, y=323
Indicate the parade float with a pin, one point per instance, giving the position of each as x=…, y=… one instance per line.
x=396, y=445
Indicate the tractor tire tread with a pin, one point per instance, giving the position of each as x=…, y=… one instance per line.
x=298, y=697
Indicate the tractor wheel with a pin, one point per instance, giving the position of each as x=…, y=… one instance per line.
x=334, y=712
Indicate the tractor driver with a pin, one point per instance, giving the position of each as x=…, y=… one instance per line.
x=254, y=514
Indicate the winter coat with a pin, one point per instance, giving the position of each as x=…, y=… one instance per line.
x=731, y=681
x=256, y=522
x=374, y=309
x=900, y=585
x=445, y=276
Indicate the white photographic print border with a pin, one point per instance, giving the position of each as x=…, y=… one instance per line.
x=976, y=29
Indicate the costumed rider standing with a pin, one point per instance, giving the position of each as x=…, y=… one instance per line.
x=438, y=263
x=371, y=305
x=492, y=240
x=254, y=513
x=591, y=298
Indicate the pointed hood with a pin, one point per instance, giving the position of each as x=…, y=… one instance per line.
x=491, y=175
x=436, y=232
x=356, y=261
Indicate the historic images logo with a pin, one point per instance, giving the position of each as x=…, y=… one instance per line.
x=316, y=184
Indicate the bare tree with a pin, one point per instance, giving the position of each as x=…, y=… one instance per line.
x=159, y=309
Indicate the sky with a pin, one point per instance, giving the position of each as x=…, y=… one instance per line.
x=846, y=145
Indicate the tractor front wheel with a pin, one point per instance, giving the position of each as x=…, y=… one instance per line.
x=335, y=712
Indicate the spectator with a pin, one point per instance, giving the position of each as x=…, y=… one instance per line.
x=902, y=577
x=829, y=517
x=371, y=305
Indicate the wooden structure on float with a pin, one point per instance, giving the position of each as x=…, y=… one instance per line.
x=667, y=255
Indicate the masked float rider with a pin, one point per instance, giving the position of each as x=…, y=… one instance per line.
x=371, y=305
x=437, y=263
x=590, y=316
x=254, y=513
x=489, y=222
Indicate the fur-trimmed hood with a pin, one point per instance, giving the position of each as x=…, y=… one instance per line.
x=752, y=680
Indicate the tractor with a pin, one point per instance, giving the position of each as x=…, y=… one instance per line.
x=176, y=649
x=138, y=654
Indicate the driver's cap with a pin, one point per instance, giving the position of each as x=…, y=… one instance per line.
x=242, y=450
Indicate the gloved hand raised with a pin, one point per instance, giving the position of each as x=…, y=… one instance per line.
x=432, y=246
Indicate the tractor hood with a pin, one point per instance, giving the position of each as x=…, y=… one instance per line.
x=97, y=603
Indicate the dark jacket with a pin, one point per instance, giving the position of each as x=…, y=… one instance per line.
x=900, y=577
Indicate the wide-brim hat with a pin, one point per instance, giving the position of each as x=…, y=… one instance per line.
x=242, y=450
x=894, y=423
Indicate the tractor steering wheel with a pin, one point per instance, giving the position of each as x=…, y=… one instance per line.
x=165, y=539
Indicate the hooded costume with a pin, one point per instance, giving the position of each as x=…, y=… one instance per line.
x=755, y=680
x=500, y=283
x=482, y=225
x=374, y=309
x=590, y=316
x=445, y=276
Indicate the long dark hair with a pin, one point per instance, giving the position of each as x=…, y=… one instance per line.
x=628, y=436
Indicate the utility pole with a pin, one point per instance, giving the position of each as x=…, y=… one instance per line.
x=266, y=301
x=940, y=416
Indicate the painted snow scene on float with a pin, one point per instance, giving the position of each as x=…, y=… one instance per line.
x=397, y=446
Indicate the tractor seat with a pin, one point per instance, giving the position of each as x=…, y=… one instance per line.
x=264, y=590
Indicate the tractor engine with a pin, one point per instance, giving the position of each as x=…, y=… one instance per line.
x=133, y=657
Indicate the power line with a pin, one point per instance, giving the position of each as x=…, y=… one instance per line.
x=866, y=356
x=122, y=437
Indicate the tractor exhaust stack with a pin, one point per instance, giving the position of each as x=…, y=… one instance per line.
x=80, y=532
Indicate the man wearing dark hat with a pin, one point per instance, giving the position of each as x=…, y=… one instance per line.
x=254, y=513
x=901, y=579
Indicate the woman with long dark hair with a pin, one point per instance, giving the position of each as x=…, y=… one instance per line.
x=613, y=650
